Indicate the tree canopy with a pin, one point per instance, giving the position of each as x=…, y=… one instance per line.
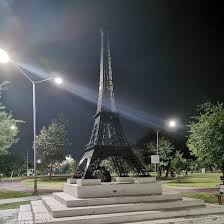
x=53, y=142
x=166, y=152
x=12, y=164
x=8, y=130
x=68, y=165
x=178, y=163
x=206, y=138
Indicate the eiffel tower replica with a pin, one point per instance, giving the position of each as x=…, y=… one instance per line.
x=107, y=139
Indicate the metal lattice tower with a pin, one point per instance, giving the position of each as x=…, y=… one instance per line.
x=107, y=139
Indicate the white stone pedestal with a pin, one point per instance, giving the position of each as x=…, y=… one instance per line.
x=93, y=188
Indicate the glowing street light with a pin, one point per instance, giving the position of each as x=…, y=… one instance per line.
x=4, y=58
x=13, y=127
x=58, y=80
x=172, y=124
x=38, y=161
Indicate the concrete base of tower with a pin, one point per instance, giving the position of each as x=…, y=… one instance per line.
x=127, y=186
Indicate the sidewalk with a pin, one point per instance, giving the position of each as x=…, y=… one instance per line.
x=9, y=216
x=14, y=200
x=191, y=189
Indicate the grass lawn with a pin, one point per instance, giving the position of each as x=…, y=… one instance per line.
x=13, y=194
x=13, y=205
x=207, y=197
x=196, y=180
x=45, y=183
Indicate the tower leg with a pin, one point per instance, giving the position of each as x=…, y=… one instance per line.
x=134, y=163
x=88, y=165
x=92, y=158
x=118, y=164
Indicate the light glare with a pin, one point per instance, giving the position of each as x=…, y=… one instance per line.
x=58, y=80
x=4, y=57
x=172, y=123
x=13, y=127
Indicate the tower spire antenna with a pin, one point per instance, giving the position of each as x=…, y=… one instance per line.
x=106, y=100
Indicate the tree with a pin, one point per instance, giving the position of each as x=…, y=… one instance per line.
x=12, y=164
x=206, y=138
x=189, y=165
x=8, y=136
x=52, y=142
x=67, y=166
x=143, y=150
x=178, y=163
x=166, y=152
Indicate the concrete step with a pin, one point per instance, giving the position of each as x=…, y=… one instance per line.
x=212, y=219
x=41, y=215
x=58, y=210
x=25, y=215
x=71, y=201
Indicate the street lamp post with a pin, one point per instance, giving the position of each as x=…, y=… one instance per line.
x=157, y=142
x=157, y=152
x=34, y=83
x=4, y=58
x=34, y=139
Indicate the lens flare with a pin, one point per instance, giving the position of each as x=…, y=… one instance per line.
x=58, y=80
x=127, y=111
x=4, y=57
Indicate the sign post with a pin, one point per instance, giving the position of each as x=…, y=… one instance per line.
x=155, y=160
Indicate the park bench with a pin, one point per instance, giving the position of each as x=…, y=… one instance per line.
x=220, y=194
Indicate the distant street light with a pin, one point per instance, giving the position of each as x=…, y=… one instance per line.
x=13, y=127
x=58, y=80
x=4, y=58
x=38, y=161
x=172, y=124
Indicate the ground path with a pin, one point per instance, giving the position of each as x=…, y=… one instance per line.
x=17, y=185
x=21, y=199
x=188, y=190
x=9, y=216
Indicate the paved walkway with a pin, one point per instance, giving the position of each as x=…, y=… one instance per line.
x=8, y=216
x=18, y=185
x=14, y=200
x=14, y=186
x=188, y=190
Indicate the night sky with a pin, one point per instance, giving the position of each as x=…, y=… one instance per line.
x=167, y=57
